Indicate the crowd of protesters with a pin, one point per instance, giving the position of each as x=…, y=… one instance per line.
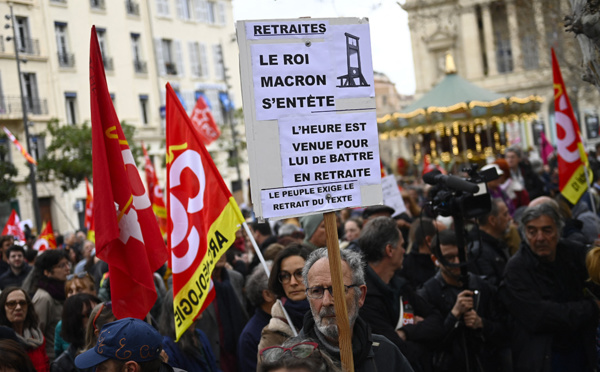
x=517, y=290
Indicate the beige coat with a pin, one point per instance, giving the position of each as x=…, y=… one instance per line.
x=276, y=332
x=49, y=312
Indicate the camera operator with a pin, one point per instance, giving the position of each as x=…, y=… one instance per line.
x=474, y=330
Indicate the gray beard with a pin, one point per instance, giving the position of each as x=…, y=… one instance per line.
x=331, y=330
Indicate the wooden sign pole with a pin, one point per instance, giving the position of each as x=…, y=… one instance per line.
x=341, y=311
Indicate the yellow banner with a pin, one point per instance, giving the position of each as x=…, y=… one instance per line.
x=189, y=299
x=576, y=185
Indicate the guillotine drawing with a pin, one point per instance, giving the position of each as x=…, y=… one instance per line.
x=354, y=77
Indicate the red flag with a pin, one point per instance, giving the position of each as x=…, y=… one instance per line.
x=547, y=149
x=155, y=193
x=21, y=149
x=46, y=239
x=88, y=221
x=12, y=227
x=204, y=122
x=572, y=159
x=203, y=216
x=127, y=234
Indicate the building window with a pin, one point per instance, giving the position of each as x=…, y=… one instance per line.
x=65, y=58
x=38, y=147
x=113, y=98
x=144, y=108
x=32, y=100
x=71, y=107
x=167, y=54
x=24, y=42
x=132, y=7
x=218, y=58
x=162, y=7
x=211, y=12
x=184, y=9
x=102, y=41
x=97, y=4
x=139, y=64
x=198, y=59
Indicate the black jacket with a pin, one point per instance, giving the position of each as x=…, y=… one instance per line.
x=484, y=346
x=417, y=268
x=371, y=352
x=382, y=311
x=551, y=315
x=488, y=256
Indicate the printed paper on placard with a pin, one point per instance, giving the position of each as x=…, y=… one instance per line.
x=330, y=148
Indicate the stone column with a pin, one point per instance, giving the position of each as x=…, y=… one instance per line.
x=515, y=41
x=472, y=48
x=488, y=34
x=543, y=47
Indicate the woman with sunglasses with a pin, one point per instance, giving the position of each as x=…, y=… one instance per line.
x=46, y=286
x=16, y=312
x=296, y=356
x=75, y=316
x=286, y=283
x=101, y=314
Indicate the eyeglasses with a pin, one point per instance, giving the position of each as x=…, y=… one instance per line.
x=107, y=305
x=318, y=292
x=63, y=265
x=300, y=351
x=80, y=275
x=285, y=277
x=13, y=304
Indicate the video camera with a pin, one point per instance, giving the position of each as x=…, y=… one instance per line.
x=456, y=196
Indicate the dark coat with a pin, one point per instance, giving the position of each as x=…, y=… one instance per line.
x=371, y=352
x=248, y=343
x=488, y=256
x=486, y=344
x=417, y=268
x=381, y=311
x=551, y=315
x=10, y=279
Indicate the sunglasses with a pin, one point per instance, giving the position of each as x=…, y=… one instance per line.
x=107, y=305
x=13, y=304
x=299, y=351
x=80, y=275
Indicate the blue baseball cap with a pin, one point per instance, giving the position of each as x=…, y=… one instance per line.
x=125, y=339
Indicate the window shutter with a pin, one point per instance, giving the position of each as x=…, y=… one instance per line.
x=221, y=16
x=204, y=61
x=160, y=63
x=179, y=57
x=193, y=48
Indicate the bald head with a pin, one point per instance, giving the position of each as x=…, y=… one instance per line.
x=542, y=200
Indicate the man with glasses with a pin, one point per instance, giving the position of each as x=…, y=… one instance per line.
x=371, y=352
x=543, y=289
x=392, y=307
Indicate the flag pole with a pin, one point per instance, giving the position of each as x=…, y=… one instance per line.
x=264, y=264
x=592, y=202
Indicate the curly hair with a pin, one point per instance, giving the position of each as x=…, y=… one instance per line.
x=31, y=318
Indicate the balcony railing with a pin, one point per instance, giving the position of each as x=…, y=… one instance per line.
x=12, y=105
x=140, y=67
x=29, y=46
x=171, y=68
x=108, y=63
x=97, y=4
x=133, y=8
x=66, y=59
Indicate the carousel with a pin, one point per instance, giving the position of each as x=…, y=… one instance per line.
x=455, y=124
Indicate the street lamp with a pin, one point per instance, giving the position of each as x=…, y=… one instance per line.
x=35, y=202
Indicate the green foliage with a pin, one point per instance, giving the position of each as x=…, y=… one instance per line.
x=8, y=188
x=68, y=158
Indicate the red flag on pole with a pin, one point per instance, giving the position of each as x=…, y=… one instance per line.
x=127, y=234
x=204, y=122
x=203, y=216
x=46, y=239
x=88, y=221
x=12, y=227
x=572, y=159
x=155, y=192
x=21, y=149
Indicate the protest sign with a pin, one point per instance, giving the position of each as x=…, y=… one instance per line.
x=392, y=196
x=309, y=106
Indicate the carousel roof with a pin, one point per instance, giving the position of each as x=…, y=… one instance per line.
x=456, y=99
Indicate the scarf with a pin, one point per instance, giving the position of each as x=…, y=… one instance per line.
x=32, y=338
x=56, y=288
x=361, y=339
x=296, y=310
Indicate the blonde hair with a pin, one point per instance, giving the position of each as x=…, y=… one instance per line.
x=592, y=262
